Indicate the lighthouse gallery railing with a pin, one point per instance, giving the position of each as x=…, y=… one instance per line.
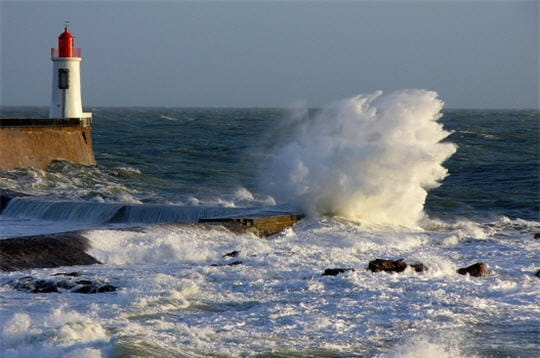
x=76, y=52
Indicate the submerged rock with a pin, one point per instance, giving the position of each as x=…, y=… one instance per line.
x=234, y=253
x=37, y=285
x=234, y=263
x=336, y=271
x=477, y=270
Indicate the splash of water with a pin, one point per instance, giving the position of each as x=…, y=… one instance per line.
x=370, y=158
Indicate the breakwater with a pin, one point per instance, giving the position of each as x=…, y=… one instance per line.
x=36, y=142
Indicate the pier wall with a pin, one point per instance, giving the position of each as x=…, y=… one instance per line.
x=24, y=145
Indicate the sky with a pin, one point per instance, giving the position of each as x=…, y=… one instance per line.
x=475, y=54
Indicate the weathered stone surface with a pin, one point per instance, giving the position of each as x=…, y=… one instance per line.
x=58, y=285
x=24, y=147
x=41, y=251
x=477, y=270
x=336, y=271
x=260, y=226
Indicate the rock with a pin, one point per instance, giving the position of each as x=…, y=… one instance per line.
x=378, y=265
x=232, y=254
x=478, y=269
x=419, y=267
x=538, y=273
x=35, y=285
x=42, y=251
x=336, y=271
x=234, y=263
x=537, y=235
x=72, y=274
x=387, y=265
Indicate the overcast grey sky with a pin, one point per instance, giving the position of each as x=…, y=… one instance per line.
x=475, y=54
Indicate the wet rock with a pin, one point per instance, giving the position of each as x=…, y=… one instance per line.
x=42, y=251
x=232, y=254
x=336, y=271
x=35, y=285
x=538, y=274
x=30, y=284
x=537, y=236
x=477, y=270
x=234, y=263
x=72, y=274
x=419, y=267
x=378, y=265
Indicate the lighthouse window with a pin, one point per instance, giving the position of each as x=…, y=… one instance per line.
x=63, y=78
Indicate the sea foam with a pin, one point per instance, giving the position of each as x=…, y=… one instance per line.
x=370, y=158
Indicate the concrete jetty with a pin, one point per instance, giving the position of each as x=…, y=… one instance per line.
x=36, y=142
x=69, y=248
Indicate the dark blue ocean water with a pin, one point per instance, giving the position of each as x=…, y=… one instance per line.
x=165, y=155
x=174, y=301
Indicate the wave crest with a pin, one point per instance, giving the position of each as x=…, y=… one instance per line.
x=370, y=158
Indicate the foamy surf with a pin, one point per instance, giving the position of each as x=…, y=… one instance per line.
x=371, y=158
x=177, y=295
x=195, y=291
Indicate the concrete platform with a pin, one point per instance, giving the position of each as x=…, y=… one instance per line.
x=69, y=248
x=260, y=226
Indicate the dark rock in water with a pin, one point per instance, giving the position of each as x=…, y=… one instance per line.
x=83, y=282
x=378, y=265
x=72, y=274
x=336, y=271
x=476, y=270
x=30, y=284
x=232, y=254
x=537, y=235
x=387, y=265
x=538, y=273
x=234, y=263
x=419, y=267
x=41, y=251
x=35, y=285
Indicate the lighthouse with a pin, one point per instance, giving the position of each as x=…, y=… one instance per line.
x=66, y=79
x=67, y=133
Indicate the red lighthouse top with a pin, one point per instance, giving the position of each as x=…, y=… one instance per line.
x=66, y=45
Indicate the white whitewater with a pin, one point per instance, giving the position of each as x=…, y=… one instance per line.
x=370, y=158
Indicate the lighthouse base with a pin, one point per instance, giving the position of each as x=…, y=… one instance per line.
x=36, y=142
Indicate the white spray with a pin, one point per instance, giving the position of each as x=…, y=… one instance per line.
x=370, y=158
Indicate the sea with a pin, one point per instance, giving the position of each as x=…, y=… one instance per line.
x=383, y=175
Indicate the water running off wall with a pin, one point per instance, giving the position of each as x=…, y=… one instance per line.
x=370, y=158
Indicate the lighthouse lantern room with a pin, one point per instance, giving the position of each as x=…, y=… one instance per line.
x=66, y=81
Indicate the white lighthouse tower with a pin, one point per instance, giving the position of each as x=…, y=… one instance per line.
x=66, y=81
